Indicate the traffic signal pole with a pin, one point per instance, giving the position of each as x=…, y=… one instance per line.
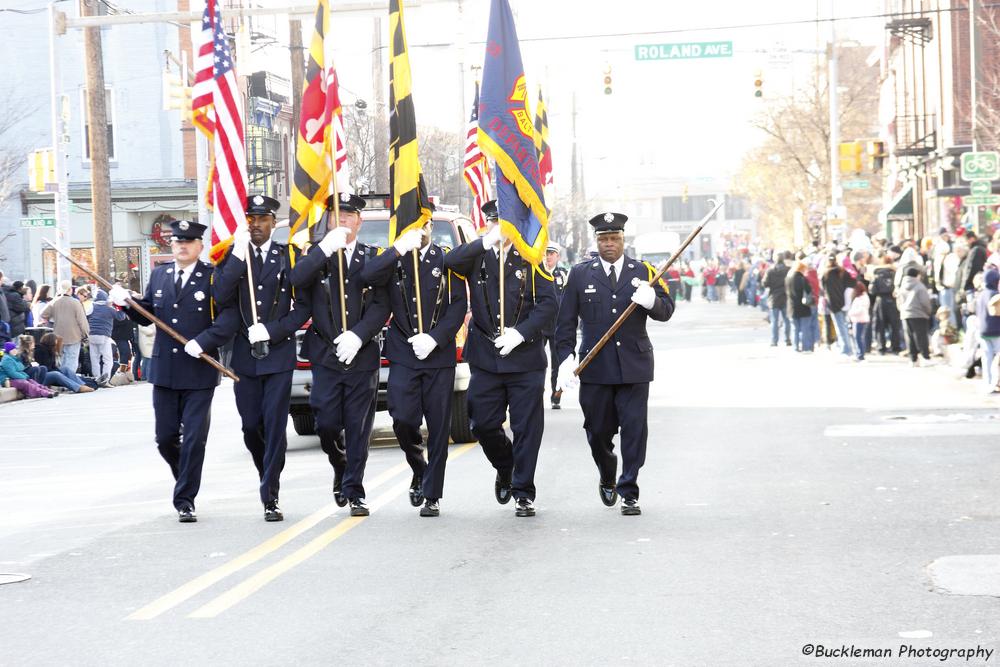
x=59, y=137
x=834, y=125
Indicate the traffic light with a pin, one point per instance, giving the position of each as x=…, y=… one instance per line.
x=684, y=194
x=607, y=79
x=876, y=155
x=758, y=84
x=175, y=94
x=850, y=157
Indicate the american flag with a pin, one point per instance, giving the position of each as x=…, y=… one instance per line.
x=477, y=169
x=218, y=107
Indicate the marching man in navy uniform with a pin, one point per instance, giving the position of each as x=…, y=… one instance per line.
x=181, y=294
x=345, y=361
x=264, y=350
x=559, y=275
x=508, y=366
x=614, y=388
x=422, y=370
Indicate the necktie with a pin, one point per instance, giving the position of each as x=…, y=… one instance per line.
x=258, y=262
x=612, y=278
x=179, y=283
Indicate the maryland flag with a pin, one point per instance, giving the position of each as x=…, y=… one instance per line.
x=410, y=207
x=542, y=141
x=321, y=129
x=507, y=135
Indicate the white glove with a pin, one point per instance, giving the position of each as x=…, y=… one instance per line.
x=565, y=379
x=508, y=340
x=423, y=344
x=348, y=345
x=193, y=348
x=335, y=239
x=258, y=333
x=411, y=240
x=644, y=295
x=492, y=237
x=119, y=295
x=241, y=238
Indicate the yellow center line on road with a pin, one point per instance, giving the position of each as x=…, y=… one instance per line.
x=254, y=583
x=195, y=586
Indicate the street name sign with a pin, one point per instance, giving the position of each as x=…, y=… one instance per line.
x=38, y=222
x=983, y=165
x=981, y=200
x=981, y=187
x=855, y=184
x=683, y=50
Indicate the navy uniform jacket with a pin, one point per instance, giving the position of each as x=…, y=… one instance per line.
x=281, y=311
x=191, y=314
x=530, y=307
x=628, y=357
x=367, y=307
x=442, y=299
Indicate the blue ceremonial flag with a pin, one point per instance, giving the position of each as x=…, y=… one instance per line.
x=506, y=134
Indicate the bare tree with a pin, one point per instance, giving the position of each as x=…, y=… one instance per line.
x=360, y=128
x=791, y=167
x=13, y=151
x=441, y=153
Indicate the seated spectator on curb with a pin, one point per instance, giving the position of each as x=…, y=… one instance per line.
x=49, y=352
x=12, y=375
x=43, y=374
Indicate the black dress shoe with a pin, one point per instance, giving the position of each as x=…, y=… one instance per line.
x=501, y=488
x=430, y=508
x=272, y=512
x=524, y=507
x=338, y=496
x=416, y=494
x=556, y=397
x=187, y=515
x=359, y=507
x=630, y=507
x=609, y=494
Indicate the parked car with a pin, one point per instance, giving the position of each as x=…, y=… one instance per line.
x=450, y=229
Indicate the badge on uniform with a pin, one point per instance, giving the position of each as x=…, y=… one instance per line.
x=519, y=274
x=635, y=282
x=199, y=296
x=197, y=274
x=436, y=272
x=159, y=292
x=183, y=225
x=258, y=200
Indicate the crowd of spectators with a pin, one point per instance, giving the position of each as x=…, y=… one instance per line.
x=67, y=340
x=922, y=298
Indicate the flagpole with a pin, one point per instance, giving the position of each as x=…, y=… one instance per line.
x=416, y=288
x=260, y=349
x=340, y=253
x=501, y=282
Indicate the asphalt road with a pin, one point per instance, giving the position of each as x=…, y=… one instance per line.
x=788, y=500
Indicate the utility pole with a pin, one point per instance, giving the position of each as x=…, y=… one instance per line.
x=381, y=143
x=298, y=72
x=97, y=124
x=973, y=111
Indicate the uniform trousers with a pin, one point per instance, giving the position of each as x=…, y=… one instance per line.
x=344, y=407
x=415, y=395
x=489, y=396
x=606, y=408
x=186, y=411
x=262, y=402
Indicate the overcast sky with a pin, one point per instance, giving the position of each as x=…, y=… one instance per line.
x=678, y=119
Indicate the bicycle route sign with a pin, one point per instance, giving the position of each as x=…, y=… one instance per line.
x=981, y=165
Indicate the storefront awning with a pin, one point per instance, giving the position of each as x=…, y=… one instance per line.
x=902, y=205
